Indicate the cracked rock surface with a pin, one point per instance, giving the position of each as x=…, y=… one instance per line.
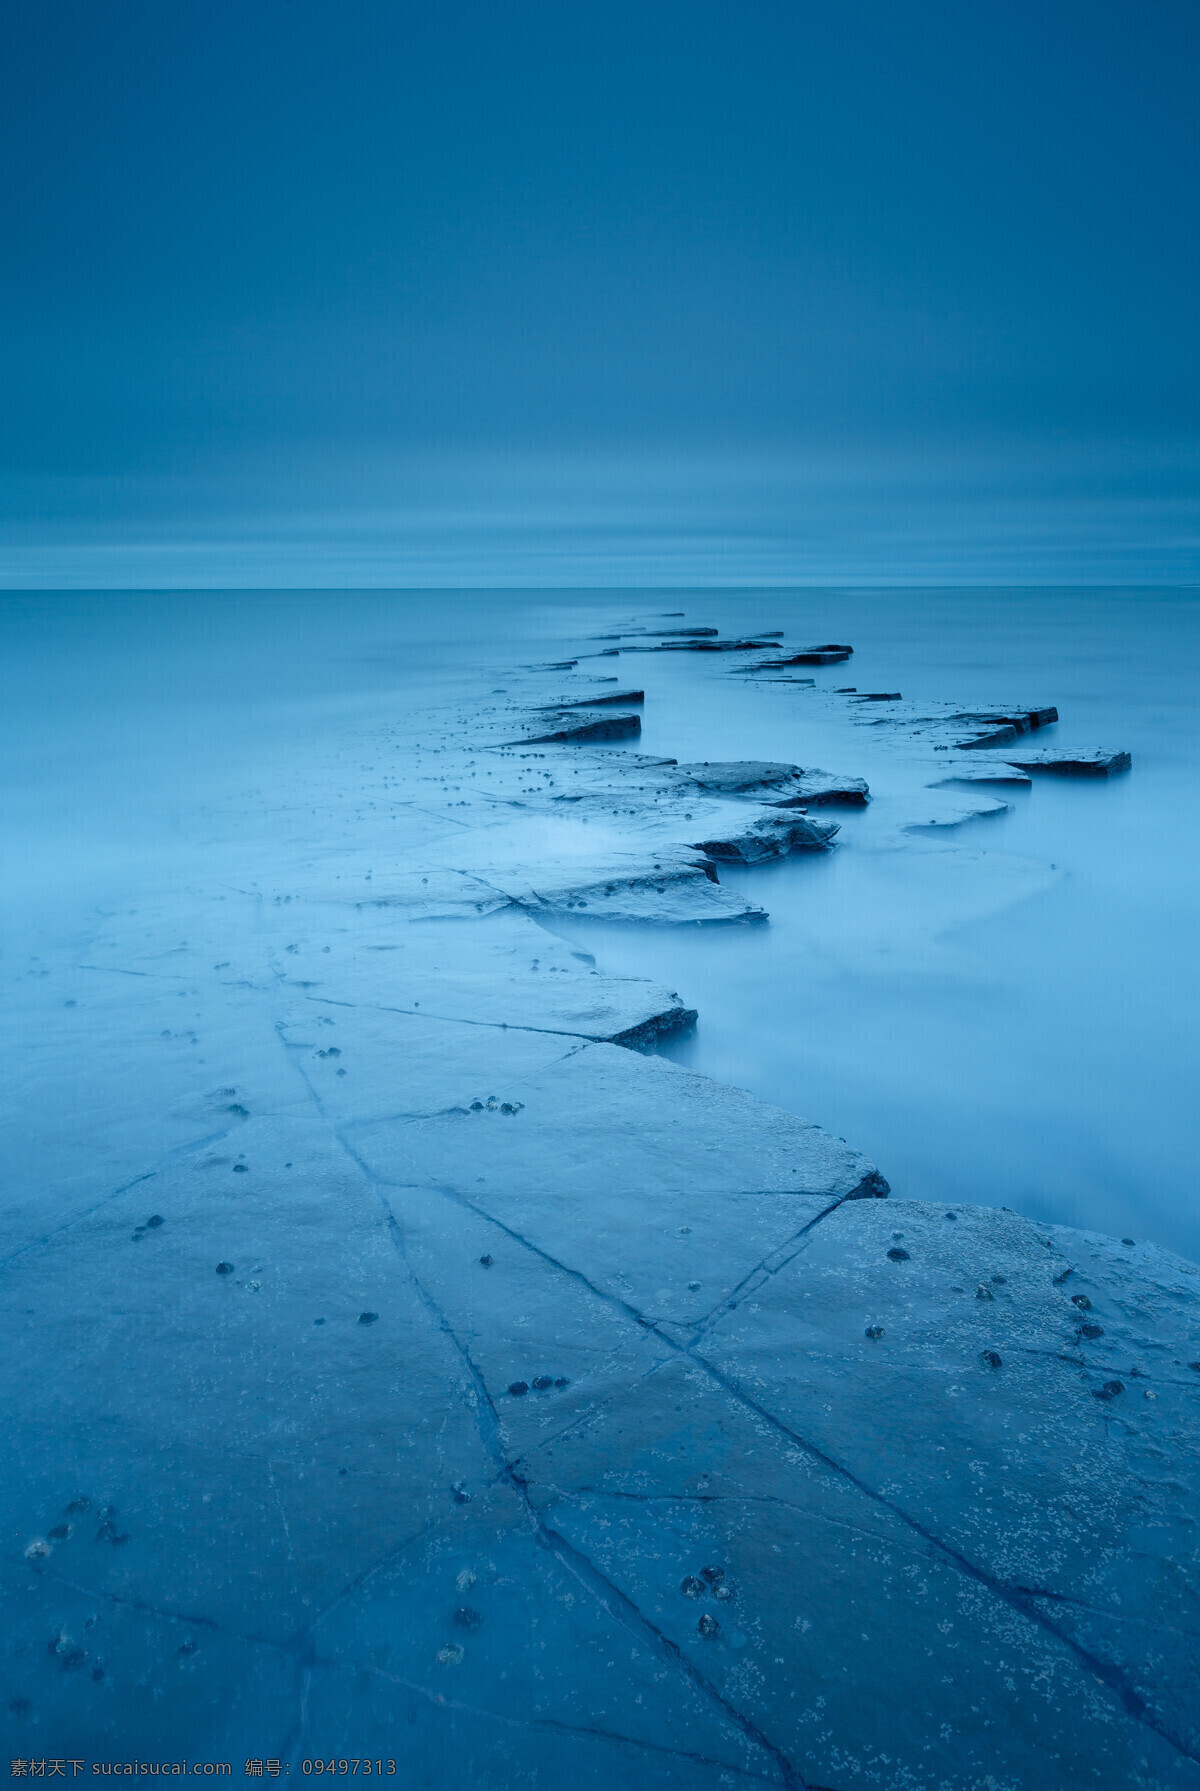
x=406, y=1367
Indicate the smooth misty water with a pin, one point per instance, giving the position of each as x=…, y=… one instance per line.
x=987, y=1028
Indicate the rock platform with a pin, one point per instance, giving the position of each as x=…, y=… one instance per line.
x=404, y=1367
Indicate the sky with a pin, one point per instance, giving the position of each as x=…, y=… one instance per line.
x=364, y=291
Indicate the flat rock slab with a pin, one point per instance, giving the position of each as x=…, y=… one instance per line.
x=599, y=1117
x=933, y=810
x=676, y=891
x=609, y=698
x=770, y=835
x=507, y=971
x=964, y=1325
x=627, y=634
x=1024, y=721
x=817, y=789
x=788, y=785
x=989, y=772
x=736, y=778
x=709, y=646
x=815, y=1569
x=1079, y=764
x=809, y=656
x=611, y=727
x=1001, y=726
x=993, y=736
x=432, y=894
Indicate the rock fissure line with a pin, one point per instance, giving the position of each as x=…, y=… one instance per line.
x=584, y=1419
x=622, y=1608
x=1109, y=1676
x=291, y=1747
x=738, y=1498
x=551, y=1725
x=161, y=1613
x=611, y=1599
x=577, y=1275
x=553, y=1032
x=731, y=1299
x=365, y=1576
x=78, y=1218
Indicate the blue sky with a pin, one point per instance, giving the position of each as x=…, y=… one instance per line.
x=859, y=290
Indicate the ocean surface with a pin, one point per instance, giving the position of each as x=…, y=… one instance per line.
x=1008, y=1015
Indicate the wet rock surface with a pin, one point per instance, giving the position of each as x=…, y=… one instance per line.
x=485, y=1394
